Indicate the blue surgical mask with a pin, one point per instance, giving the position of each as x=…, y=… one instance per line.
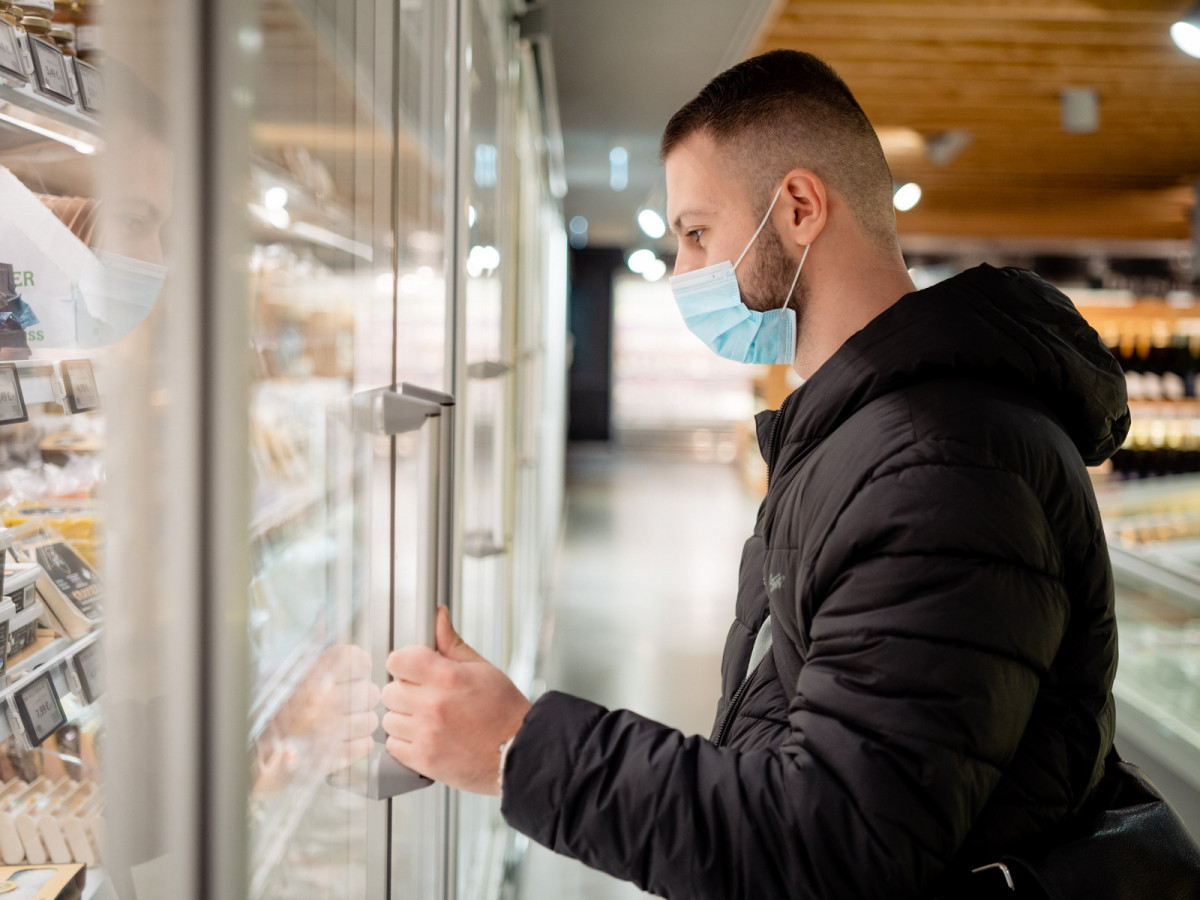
x=120, y=292
x=711, y=304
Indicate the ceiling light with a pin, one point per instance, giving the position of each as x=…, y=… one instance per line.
x=482, y=260
x=943, y=147
x=1080, y=110
x=578, y=228
x=651, y=223
x=907, y=196
x=275, y=197
x=486, y=160
x=1186, y=32
x=655, y=270
x=639, y=260
x=618, y=168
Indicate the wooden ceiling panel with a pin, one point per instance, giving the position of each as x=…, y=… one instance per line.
x=996, y=68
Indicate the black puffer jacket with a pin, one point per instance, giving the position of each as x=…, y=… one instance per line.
x=944, y=642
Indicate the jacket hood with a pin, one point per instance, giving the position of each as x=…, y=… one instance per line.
x=1005, y=326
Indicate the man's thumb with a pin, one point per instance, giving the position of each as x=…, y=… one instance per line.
x=449, y=644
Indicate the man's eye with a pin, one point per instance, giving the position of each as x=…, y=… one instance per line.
x=695, y=234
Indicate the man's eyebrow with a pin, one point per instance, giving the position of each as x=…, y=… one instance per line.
x=677, y=222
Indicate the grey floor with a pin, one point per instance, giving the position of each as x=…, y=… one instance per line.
x=643, y=598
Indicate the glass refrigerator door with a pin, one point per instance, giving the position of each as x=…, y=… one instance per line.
x=487, y=380
x=346, y=160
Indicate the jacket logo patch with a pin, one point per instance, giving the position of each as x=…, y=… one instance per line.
x=775, y=583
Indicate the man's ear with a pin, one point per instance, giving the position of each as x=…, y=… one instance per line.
x=805, y=205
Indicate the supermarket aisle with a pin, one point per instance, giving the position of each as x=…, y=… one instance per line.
x=645, y=592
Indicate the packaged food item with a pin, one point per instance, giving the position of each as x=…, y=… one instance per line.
x=87, y=32
x=65, y=40
x=20, y=607
x=74, y=520
x=38, y=26
x=70, y=588
x=65, y=15
x=59, y=883
x=41, y=796
x=82, y=831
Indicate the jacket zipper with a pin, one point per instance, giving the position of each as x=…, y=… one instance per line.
x=776, y=427
x=734, y=702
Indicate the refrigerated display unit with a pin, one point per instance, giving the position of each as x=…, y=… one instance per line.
x=282, y=367
x=1153, y=530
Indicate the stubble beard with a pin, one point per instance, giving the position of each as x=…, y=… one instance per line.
x=765, y=285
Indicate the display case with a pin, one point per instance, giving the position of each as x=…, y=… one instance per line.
x=53, y=320
x=285, y=316
x=1153, y=528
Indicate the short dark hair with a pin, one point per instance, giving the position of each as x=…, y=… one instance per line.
x=787, y=109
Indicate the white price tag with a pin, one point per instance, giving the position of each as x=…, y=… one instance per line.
x=50, y=67
x=40, y=710
x=10, y=54
x=80, y=382
x=12, y=401
x=91, y=86
x=89, y=671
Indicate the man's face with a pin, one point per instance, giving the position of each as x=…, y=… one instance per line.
x=714, y=220
x=137, y=198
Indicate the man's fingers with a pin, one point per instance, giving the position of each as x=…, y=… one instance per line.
x=398, y=696
x=406, y=753
x=411, y=663
x=344, y=662
x=358, y=726
x=449, y=644
x=355, y=696
x=398, y=725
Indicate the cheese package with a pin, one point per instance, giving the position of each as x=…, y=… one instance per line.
x=52, y=882
x=20, y=607
x=69, y=586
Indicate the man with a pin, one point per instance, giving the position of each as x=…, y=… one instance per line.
x=918, y=675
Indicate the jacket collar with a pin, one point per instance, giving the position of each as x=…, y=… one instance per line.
x=1005, y=326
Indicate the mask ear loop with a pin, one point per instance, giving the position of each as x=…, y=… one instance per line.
x=807, y=247
x=758, y=231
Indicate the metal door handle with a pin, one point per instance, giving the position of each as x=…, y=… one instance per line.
x=379, y=776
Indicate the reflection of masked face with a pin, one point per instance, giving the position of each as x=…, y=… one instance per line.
x=120, y=291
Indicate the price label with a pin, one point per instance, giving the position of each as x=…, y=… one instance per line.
x=89, y=669
x=10, y=54
x=12, y=401
x=80, y=381
x=40, y=710
x=50, y=67
x=91, y=86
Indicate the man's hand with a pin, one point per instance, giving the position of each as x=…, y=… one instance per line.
x=449, y=711
x=325, y=725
